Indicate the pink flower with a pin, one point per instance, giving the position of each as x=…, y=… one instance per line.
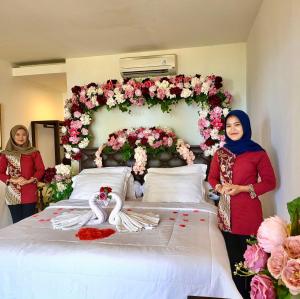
x=102, y=195
x=255, y=258
x=290, y=276
x=77, y=114
x=262, y=287
x=277, y=261
x=292, y=247
x=272, y=233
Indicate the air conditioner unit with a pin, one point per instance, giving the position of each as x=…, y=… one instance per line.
x=147, y=66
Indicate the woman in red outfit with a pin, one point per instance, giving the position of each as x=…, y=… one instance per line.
x=21, y=167
x=240, y=171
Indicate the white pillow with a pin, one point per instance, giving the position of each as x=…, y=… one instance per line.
x=130, y=194
x=194, y=168
x=86, y=186
x=183, y=187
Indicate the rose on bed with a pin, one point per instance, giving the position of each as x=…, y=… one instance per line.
x=273, y=257
x=59, y=182
x=104, y=195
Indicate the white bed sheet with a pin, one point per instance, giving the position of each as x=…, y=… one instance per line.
x=184, y=256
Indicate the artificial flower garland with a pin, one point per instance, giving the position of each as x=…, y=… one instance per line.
x=206, y=92
x=142, y=141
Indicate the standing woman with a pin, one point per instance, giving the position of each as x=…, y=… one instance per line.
x=240, y=171
x=21, y=167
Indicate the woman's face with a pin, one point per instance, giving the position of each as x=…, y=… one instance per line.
x=234, y=128
x=20, y=137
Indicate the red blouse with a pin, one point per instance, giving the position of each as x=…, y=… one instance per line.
x=246, y=213
x=31, y=166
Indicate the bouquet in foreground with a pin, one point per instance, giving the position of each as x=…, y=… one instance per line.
x=273, y=257
x=59, y=182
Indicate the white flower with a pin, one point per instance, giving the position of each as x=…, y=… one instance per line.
x=119, y=98
x=225, y=111
x=84, y=131
x=61, y=186
x=205, y=87
x=85, y=119
x=164, y=84
x=187, y=85
x=83, y=143
x=94, y=100
x=195, y=81
x=75, y=150
x=68, y=147
x=91, y=91
x=100, y=91
x=214, y=134
x=62, y=169
x=111, y=102
x=152, y=88
x=186, y=93
x=203, y=113
x=63, y=129
x=67, y=113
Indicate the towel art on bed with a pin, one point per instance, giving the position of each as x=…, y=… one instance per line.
x=123, y=220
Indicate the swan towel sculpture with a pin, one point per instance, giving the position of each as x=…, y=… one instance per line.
x=123, y=220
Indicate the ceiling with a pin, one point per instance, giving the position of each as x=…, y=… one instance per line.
x=46, y=30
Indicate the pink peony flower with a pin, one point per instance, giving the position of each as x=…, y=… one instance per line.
x=255, y=258
x=277, y=261
x=291, y=276
x=292, y=247
x=272, y=233
x=262, y=287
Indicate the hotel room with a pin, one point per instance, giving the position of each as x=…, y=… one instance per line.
x=47, y=49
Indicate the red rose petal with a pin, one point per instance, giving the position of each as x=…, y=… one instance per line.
x=35, y=215
x=185, y=214
x=171, y=218
x=129, y=210
x=196, y=211
x=186, y=220
x=90, y=233
x=175, y=212
x=202, y=219
x=182, y=225
x=41, y=220
x=59, y=209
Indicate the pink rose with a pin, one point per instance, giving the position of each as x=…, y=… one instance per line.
x=290, y=276
x=255, y=258
x=272, y=233
x=102, y=196
x=277, y=261
x=262, y=287
x=292, y=247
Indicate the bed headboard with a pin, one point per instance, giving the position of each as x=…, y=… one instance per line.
x=162, y=160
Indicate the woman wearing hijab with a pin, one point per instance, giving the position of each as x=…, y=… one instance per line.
x=21, y=167
x=234, y=173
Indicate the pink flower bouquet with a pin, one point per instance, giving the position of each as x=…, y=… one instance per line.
x=273, y=257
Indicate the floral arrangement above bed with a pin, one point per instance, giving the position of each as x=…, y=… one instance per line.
x=59, y=182
x=273, y=258
x=140, y=142
x=205, y=92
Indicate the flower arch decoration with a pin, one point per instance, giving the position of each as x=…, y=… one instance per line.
x=206, y=92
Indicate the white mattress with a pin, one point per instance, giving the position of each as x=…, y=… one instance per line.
x=184, y=256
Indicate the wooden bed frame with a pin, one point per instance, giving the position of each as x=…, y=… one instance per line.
x=166, y=160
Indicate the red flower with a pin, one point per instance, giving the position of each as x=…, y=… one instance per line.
x=210, y=142
x=76, y=90
x=175, y=90
x=214, y=101
x=50, y=172
x=77, y=156
x=103, y=196
x=65, y=139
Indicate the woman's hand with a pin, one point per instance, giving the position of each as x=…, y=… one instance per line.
x=232, y=189
x=25, y=182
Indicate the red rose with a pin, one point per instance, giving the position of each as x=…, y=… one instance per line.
x=64, y=139
x=76, y=90
x=214, y=101
x=102, y=196
x=175, y=90
x=209, y=142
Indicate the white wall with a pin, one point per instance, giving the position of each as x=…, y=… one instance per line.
x=273, y=69
x=228, y=61
x=22, y=101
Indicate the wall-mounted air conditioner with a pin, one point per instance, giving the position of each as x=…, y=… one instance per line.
x=147, y=66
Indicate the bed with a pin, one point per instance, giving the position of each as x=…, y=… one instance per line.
x=184, y=256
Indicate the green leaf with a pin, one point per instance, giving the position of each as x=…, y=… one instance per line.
x=294, y=211
x=283, y=292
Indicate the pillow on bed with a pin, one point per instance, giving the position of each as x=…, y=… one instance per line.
x=130, y=193
x=194, y=168
x=87, y=185
x=182, y=187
